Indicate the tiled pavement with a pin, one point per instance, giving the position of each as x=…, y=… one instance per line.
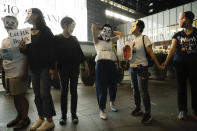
x=163, y=100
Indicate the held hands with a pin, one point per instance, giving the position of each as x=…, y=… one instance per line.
x=22, y=46
x=52, y=73
x=162, y=66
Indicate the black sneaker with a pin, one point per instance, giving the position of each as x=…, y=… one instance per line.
x=146, y=118
x=136, y=112
x=75, y=119
x=62, y=121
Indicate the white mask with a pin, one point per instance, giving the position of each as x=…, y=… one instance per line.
x=106, y=33
x=71, y=28
x=28, y=18
x=10, y=23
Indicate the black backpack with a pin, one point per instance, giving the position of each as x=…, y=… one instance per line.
x=148, y=57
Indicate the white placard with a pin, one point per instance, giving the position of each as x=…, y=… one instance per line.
x=20, y=34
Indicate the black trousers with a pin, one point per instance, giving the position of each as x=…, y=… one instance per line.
x=69, y=78
x=185, y=72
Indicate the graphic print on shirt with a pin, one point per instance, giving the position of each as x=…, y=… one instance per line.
x=188, y=45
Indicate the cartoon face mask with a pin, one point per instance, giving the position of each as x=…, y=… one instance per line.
x=134, y=26
x=10, y=23
x=106, y=33
x=71, y=28
x=28, y=18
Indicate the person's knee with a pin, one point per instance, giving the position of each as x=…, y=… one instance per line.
x=144, y=93
x=73, y=92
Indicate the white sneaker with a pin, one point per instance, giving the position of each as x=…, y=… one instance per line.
x=114, y=109
x=46, y=126
x=36, y=124
x=182, y=115
x=103, y=115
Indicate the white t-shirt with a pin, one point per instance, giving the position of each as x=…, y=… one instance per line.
x=104, y=51
x=138, y=51
x=13, y=61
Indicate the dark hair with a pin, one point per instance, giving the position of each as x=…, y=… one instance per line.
x=40, y=22
x=13, y=17
x=189, y=15
x=66, y=21
x=106, y=25
x=141, y=25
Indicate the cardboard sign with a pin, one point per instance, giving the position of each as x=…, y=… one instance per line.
x=16, y=36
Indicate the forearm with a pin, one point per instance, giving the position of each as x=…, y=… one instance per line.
x=154, y=58
x=95, y=30
x=86, y=63
x=25, y=65
x=171, y=53
x=118, y=33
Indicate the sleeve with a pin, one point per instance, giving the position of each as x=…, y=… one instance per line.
x=79, y=50
x=175, y=36
x=51, y=41
x=147, y=41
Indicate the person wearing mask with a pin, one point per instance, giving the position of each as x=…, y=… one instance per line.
x=141, y=46
x=41, y=62
x=105, y=66
x=69, y=58
x=184, y=49
x=15, y=67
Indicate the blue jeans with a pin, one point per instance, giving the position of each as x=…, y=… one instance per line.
x=105, y=78
x=139, y=81
x=41, y=86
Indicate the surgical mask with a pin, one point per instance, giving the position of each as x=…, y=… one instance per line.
x=10, y=23
x=134, y=26
x=28, y=18
x=106, y=33
x=30, y=21
x=71, y=28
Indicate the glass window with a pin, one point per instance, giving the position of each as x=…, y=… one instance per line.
x=53, y=12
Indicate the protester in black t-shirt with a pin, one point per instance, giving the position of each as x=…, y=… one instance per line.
x=184, y=49
x=40, y=60
x=69, y=56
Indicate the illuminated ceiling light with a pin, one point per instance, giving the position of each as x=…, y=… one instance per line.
x=117, y=15
x=150, y=11
x=111, y=2
x=151, y=4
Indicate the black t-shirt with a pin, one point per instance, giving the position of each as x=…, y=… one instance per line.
x=40, y=52
x=68, y=52
x=186, y=46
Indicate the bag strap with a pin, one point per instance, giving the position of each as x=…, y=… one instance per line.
x=114, y=50
x=144, y=45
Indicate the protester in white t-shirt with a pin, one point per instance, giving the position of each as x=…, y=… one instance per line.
x=105, y=69
x=15, y=66
x=139, y=70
